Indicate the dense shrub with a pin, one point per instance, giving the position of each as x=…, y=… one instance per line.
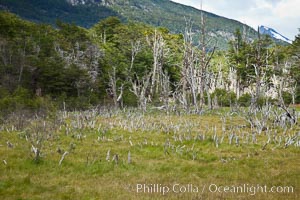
x=287, y=98
x=225, y=98
x=23, y=100
x=245, y=100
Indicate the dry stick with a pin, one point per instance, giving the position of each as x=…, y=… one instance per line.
x=194, y=156
x=129, y=157
x=264, y=146
x=237, y=141
x=108, y=155
x=131, y=144
x=231, y=138
x=9, y=144
x=217, y=141
x=63, y=157
x=116, y=158
x=36, y=152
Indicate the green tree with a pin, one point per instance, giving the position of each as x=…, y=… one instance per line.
x=237, y=54
x=105, y=29
x=295, y=71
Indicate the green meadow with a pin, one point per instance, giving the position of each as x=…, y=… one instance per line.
x=131, y=155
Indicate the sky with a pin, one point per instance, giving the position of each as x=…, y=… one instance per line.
x=281, y=15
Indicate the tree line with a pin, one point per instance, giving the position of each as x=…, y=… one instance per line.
x=132, y=64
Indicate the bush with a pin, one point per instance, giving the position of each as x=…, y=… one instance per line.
x=3, y=92
x=224, y=97
x=129, y=99
x=261, y=101
x=297, y=97
x=287, y=98
x=77, y=103
x=23, y=100
x=20, y=99
x=245, y=100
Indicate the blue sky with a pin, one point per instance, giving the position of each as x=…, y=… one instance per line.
x=282, y=15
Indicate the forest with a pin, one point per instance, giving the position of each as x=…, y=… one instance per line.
x=134, y=65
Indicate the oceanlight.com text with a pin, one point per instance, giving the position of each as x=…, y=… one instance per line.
x=250, y=189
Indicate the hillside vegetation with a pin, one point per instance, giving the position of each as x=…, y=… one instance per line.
x=45, y=11
x=162, y=13
x=132, y=64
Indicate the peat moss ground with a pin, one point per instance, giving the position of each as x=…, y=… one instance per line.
x=189, y=152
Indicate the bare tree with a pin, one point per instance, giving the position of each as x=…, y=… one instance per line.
x=139, y=89
x=114, y=91
x=262, y=57
x=157, y=44
x=166, y=91
x=189, y=71
x=194, y=70
x=139, y=85
x=205, y=58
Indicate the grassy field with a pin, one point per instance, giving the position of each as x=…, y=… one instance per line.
x=129, y=155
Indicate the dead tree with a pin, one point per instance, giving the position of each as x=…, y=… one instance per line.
x=166, y=91
x=139, y=85
x=114, y=91
x=261, y=58
x=139, y=89
x=195, y=65
x=185, y=67
x=205, y=59
x=190, y=66
x=37, y=134
x=189, y=71
x=280, y=84
x=157, y=44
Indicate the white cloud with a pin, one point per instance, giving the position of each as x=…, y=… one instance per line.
x=282, y=15
x=288, y=9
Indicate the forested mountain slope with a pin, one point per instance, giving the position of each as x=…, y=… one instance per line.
x=163, y=13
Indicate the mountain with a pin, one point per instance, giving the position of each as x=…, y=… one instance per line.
x=165, y=13
x=83, y=13
x=274, y=34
